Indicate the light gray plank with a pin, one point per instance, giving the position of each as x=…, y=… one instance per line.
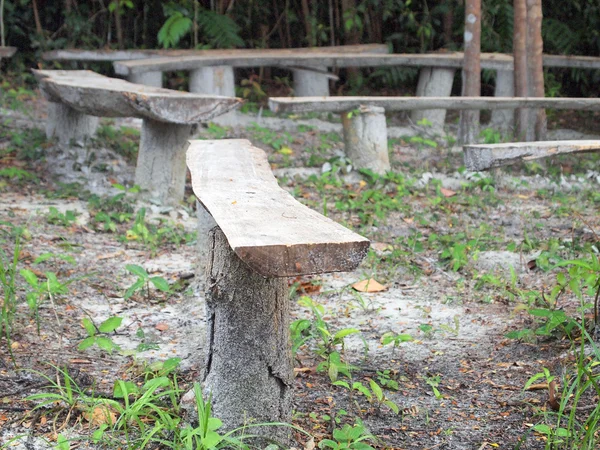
x=342, y=104
x=265, y=226
x=483, y=157
x=97, y=95
x=7, y=52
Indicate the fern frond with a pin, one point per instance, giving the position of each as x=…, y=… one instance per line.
x=558, y=36
x=220, y=31
x=176, y=27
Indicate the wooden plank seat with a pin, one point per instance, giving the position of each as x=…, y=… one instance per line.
x=435, y=79
x=218, y=80
x=484, y=157
x=260, y=236
x=365, y=132
x=77, y=98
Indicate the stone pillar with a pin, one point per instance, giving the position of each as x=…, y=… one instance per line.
x=504, y=119
x=311, y=83
x=434, y=82
x=161, y=165
x=365, y=138
x=249, y=370
x=146, y=78
x=68, y=125
x=215, y=80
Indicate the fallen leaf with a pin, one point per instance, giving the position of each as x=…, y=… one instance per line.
x=161, y=326
x=100, y=415
x=381, y=246
x=370, y=285
x=447, y=192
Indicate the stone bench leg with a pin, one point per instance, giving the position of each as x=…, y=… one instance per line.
x=249, y=369
x=365, y=138
x=434, y=82
x=215, y=80
x=146, y=78
x=161, y=165
x=504, y=119
x=68, y=125
x=308, y=83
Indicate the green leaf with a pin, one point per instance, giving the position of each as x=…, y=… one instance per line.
x=89, y=326
x=543, y=429
x=86, y=343
x=138, y=271
x=134, y=287
x=390, y=404
x=343, y=333
x=376, y=390
x=30, y=277
x=341, y=383
x=123, y=388
x=110, y=324
x=106, y=344
x=160, y=283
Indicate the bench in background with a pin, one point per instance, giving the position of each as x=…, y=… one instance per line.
x=260, y=236
x=79, y=97
x=363, y=118
x=7, y=52
x=484, y=157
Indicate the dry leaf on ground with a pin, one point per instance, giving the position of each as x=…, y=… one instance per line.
x=370, y=285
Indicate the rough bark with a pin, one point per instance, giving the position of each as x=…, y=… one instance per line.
x=471, y=74
x=161, y=165
x=503, y=119
x=249, y=370
x=434, y=82
x=365, y=139
x=146, y=78
x=535, y=65
x=205, y=224
x=520, y=64
x=68, y=125
x=309, y=83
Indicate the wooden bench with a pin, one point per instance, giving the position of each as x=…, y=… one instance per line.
x=79, y=97
x=484, y=157
x=218, y=80
x=363, y=118
x=435, y=80
x=7, y=52
x=260, y=236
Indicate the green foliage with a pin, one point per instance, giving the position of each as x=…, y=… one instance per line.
x=349, y=437
x=176, y=26
x=144, y=280
x=97, y=335
x=55, y=217
x=8, y=278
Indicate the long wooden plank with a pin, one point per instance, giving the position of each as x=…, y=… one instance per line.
x=342, y=104
x=7, y=52
x=330, y=59
x=483, y=157
x=125, y=55
x=97, y=95
x=265, y=226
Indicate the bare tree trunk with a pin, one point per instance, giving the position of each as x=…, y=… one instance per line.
x=195, y=23
x=351, y=37
x=118, y=25
x=520, y=64
x=307, y=23
x=469, y=120
x=2, y=42
x=36, y=18
x=448, y=22
x=535, y=65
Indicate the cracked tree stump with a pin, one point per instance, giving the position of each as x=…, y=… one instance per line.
x=205, y=224
x=215, y=80
x=249, y=370
x=434, y=82
x=68, y=125
x=365, y=139
x=311, y=83
x=504, y=119
x=147, y=78
x=161, y=169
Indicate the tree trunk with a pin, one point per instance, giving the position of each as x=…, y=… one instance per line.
x=351, y=37
x=36, y=18
x=471, y=74
x=249, y=370
x=520, y=63
x=448, y=23
x=307, y=23
x=365, y=139
x=535, y=66
x=118, y=25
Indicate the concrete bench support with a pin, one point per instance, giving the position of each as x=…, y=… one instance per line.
x=504, y=119
x=69, y=125
x=146, y=78
x=260, y=236
x=311, y=83
x=213, y=80
x=365, y=138
x=161, y=166
x=434, y=82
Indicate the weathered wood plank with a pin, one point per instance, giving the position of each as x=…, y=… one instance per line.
x=483, y=157
x=125, y=55
x=341, y=104
x=97, y=95
x=265, y=226
x=7, y=52
x=330, y=59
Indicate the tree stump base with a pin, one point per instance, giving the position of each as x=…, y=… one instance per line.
x=504, y=119
x=161, y=168
x=308, y=83
x=434, y=82
x=365, y=139
x=68, y=125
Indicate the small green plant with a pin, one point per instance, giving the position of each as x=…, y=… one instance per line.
x=349, y=437
x=66, y=219
x=434, y=382
x=97, y=335
x=490, y=136
x=143, y=281
x=395, y=339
